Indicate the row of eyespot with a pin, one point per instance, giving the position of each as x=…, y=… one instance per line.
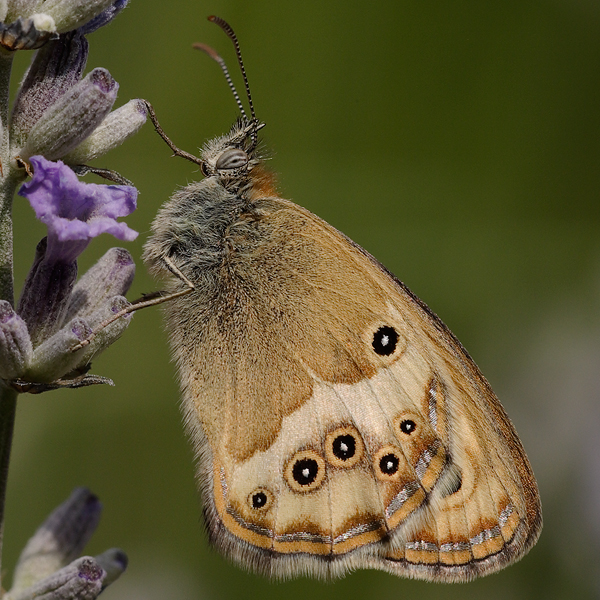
x=306, y=472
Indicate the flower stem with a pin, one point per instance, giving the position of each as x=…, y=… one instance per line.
x=8, y=183
x=7, y=190
x=8, y=407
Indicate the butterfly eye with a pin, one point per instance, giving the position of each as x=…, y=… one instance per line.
x=385, y=341
x=344, y=447
x=232, y=158
x=407, y=426
x=305, y=471
x=260, y=499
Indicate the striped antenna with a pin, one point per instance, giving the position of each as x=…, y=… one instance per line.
x=224, y=25
x=217, y=58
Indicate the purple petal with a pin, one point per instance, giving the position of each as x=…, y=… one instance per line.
x=75, y=212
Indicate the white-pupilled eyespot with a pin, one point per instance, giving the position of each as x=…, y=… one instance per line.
x=260, y=499
x=305, y=471
x=344, y=447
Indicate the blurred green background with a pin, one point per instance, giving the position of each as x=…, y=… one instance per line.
x=458, y=142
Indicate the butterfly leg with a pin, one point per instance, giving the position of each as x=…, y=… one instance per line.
x=108, y=174
x=143, y=302
x=167, y=139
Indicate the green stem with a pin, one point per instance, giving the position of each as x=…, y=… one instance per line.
x=8, y=183
x=8, y=408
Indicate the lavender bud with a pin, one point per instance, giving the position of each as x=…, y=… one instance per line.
x=15, y=344
x=56, y=68
x=111, y=276
x=59, y=540
x=109, y=334
x=46, y=294
x=54, y=358
x=73, y=117
x=70, y=14
x=82, y=579
x=119, y=125
x=114, y=562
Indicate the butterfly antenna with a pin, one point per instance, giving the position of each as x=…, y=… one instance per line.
x=226, y=27
x=217, y=58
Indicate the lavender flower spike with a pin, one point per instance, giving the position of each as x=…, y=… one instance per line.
x=76, y=212
x=105, y=16
x=53, y=358
x=46, y=294
x=114, y=562
x=26, y=34
x=20, y=8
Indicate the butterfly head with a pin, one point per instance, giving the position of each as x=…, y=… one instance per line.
x=234, y=154
x=234, y=157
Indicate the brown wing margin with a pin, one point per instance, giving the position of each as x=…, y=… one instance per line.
x=518, y=533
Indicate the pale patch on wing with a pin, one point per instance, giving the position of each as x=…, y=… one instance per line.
x=342, y=507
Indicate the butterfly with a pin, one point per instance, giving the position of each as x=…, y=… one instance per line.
x=337, y=422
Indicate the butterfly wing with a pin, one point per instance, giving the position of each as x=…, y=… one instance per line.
x=338, y=423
